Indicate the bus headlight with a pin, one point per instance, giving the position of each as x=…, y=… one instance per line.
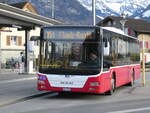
x=41, y=82
x=42, y=78
x=94, y=84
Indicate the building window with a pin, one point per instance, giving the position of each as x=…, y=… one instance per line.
x=36, y=43
x=114, y=22
x=14, y=40
x=126, y=30
x=109, y=23
x=146, y=44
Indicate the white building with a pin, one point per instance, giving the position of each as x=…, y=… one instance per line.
x=12, y=41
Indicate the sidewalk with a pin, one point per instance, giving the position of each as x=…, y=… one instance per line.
x=12, y=76
x=8, y=71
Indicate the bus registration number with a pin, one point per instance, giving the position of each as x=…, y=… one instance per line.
x=66, y=89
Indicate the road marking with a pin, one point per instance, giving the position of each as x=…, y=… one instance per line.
x=131, y=110
x=17, y=80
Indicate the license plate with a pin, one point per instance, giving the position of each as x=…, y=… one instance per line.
x=66, y=89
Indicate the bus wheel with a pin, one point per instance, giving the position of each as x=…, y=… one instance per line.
x=110, y=92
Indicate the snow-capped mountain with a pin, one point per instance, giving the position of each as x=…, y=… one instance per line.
x=146, y=12
x=79, y=11
x=132, y=8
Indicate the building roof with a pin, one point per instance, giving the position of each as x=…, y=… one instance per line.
x=14, y=16
x=138, y=25
x=19, y=5
x=23, y=5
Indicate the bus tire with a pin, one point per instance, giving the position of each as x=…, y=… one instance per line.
x=113, y=86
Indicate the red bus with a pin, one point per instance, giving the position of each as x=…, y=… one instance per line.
x=87, y=59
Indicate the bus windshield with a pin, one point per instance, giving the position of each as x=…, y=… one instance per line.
x=74, y=57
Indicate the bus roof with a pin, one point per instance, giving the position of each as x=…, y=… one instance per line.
x=72, y=26
x=119, y=31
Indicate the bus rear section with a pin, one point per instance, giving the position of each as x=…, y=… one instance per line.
x=86, y=59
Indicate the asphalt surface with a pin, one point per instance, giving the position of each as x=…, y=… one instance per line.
x=11, y=76
x=18, y=94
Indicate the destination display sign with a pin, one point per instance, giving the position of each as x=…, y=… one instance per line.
x=63, y=33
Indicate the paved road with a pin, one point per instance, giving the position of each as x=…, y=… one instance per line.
x=21, y=96
x=11, y=76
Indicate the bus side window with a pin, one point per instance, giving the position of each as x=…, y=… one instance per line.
x=106, y=48
x=107, y=61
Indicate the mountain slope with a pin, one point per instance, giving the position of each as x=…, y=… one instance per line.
x=132, y=8
x=67, y=11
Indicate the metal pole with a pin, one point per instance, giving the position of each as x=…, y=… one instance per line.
x=0, y=52
x=123, y=21
x=94, y=14
x=26, y=51
x=53, y=9
x=143, y=63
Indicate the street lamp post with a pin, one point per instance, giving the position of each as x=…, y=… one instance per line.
x=143, y=62
x=123, y=22
x=53, y=9
x=0, y=52
x=93, y=11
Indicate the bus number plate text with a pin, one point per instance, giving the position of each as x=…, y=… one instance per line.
x=66, y=89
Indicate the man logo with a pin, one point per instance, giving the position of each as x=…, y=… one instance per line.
x=66, y=82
